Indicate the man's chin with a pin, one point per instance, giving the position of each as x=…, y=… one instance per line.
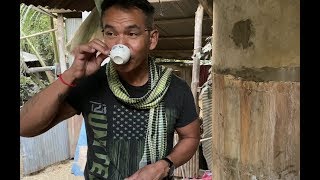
x=124, y=68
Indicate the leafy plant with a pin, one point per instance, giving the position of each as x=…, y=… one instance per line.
x=31, y=22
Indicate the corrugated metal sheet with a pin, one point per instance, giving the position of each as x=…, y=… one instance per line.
x=206, y=111
x=45, y=149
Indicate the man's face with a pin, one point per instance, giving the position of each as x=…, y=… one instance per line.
x=128, y=27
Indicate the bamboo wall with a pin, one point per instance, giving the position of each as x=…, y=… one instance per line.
x=189, y=169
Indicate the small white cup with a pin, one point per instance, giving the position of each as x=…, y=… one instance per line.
x=120, y=54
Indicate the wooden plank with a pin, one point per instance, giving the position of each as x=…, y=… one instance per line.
x=218, y=111
x=255, y=129
x=231, y=134
x=245, y=107
x=74, y=126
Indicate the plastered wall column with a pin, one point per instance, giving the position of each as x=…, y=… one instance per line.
x=256, y=89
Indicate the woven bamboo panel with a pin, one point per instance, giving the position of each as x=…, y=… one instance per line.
x=189, y=169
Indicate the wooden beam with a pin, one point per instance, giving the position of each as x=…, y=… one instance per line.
x=36, y=34
x=207, y=6
x=177, y=20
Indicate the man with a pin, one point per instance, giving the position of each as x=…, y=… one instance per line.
x=131, y=111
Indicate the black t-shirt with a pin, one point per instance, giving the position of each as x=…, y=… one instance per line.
x=115, y=131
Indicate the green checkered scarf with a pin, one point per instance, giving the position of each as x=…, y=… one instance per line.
x=156, y=136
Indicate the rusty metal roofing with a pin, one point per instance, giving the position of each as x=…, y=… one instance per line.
x=173, y=18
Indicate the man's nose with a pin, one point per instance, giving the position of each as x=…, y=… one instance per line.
x=121, y=39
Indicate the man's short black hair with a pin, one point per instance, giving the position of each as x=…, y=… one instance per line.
x=144, y=5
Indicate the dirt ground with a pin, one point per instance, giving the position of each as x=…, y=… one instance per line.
x=58, y=171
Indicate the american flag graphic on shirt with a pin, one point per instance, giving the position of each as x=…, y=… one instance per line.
x=128, y=124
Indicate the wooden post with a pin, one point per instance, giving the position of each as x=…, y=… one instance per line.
x=61, y=44
x=196, y=54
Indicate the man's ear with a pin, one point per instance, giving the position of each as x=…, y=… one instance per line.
x=154, y=37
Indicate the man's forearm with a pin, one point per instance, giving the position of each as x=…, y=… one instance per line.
x=39, y=112
x=184, y=150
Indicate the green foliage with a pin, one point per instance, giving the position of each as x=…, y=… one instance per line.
x=31, y=22
x=27, y=88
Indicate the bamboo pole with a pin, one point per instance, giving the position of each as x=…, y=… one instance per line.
x=36, y=34
x=196, y=53
x=55, y=48
x=195, y=77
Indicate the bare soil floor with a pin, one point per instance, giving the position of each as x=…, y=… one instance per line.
x=58, y=171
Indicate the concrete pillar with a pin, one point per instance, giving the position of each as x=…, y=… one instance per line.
x=256, y=89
